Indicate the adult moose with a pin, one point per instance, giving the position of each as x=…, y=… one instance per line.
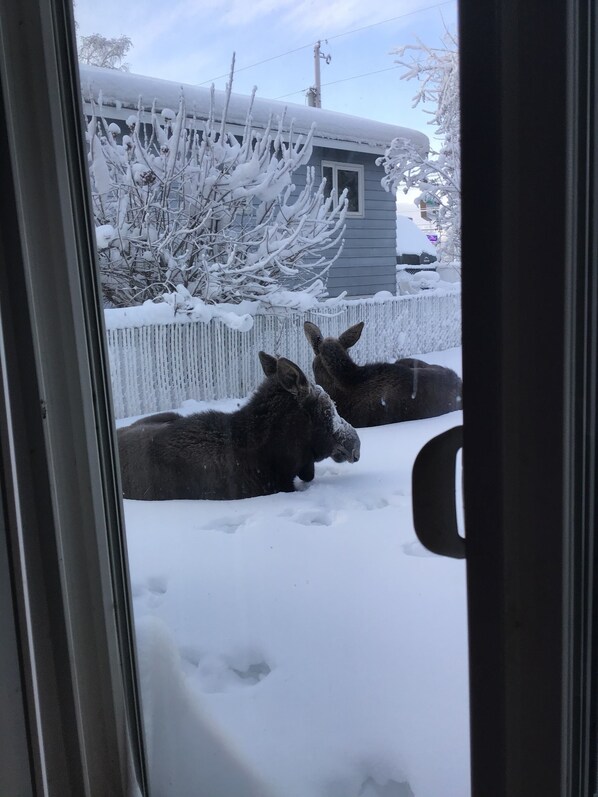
x=379, y=393
x=286, y=426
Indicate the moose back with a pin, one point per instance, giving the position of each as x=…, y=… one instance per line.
x=379, y=393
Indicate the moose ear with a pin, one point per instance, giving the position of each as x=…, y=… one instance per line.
x=292, y=378
x=268, y=363
x=351, y=336
x=313, y=334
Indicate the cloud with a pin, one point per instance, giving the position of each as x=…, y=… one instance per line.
x=242, y=12
x=185, y=67
x=282, y=22
x=313, y=16
x=340, y=16
x=146, y=23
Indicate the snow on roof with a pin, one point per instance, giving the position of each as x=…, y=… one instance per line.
x=121, y=92
x=411, y=240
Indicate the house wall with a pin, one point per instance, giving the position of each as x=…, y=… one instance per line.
x=368, y=261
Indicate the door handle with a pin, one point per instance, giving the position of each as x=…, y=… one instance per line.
x=433, y=490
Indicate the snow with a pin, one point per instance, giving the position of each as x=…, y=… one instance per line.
x=303, y=644
x=105, y=234
x=212, y=234
x=411, y=240
x=180, y=307
x=425, y=280
x=122, y=91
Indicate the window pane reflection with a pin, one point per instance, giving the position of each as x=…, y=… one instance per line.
x=349, y=180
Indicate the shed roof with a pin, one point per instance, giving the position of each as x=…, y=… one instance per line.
x=121, y=92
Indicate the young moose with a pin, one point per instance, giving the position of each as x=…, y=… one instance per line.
x=379, y=393
x=285, y=427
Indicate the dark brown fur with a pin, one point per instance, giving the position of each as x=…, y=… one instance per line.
x=379, y=393
x=286, y=426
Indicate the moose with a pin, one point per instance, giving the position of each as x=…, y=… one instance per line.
x=379, y=393
x=286, y=426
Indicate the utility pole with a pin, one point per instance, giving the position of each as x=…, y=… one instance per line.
x=314, y=93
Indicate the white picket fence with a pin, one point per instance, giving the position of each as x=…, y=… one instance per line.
x=158, y=367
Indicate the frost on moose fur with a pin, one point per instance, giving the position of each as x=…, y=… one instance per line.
x=287, y=426
x=379, y=393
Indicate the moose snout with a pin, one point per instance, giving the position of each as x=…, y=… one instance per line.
x=347, y=450
x=354, y=455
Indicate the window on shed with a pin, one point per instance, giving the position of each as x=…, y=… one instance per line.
x=341, y=176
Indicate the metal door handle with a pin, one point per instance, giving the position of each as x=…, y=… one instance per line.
x=433, y=483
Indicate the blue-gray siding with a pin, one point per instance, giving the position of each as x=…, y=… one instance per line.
x=368, y=261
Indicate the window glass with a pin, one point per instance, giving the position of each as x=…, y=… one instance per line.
x=349, y=180
x=345, y=178
x=295, y=639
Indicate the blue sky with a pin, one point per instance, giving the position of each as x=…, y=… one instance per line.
x=192, y=41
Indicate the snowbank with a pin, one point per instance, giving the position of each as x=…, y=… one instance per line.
x=304, y=644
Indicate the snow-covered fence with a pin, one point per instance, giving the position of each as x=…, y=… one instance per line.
x=158, y=367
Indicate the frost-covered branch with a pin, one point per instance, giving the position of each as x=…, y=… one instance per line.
x=189, y=204
x=436, y=173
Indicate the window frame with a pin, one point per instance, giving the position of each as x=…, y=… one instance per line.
x=62, y=524
x=349, y=167
x=530, y=394
x=533, y=701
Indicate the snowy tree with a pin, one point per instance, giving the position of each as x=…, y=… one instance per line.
x=183, y=206
x=97, y=50
x=436, y=173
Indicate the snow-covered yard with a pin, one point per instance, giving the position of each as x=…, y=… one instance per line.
x=303, y=644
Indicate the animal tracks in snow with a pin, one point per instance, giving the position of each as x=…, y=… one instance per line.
x=228, y=524
x=313, y=517
x=370, y=787
x=215, y=673
x=254, y=673
x=373, y=502
x=152, y=592
x=390, y=788
x=323, y=516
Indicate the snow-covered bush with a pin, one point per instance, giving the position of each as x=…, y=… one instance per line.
x=436, y=174
x=187, y=203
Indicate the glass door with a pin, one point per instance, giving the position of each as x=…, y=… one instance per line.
x=294, y=637
x=171, y=259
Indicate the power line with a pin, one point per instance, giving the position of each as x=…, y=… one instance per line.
x=342, y=80
x=392, y=19
x=259, y=63
x=329, y=38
